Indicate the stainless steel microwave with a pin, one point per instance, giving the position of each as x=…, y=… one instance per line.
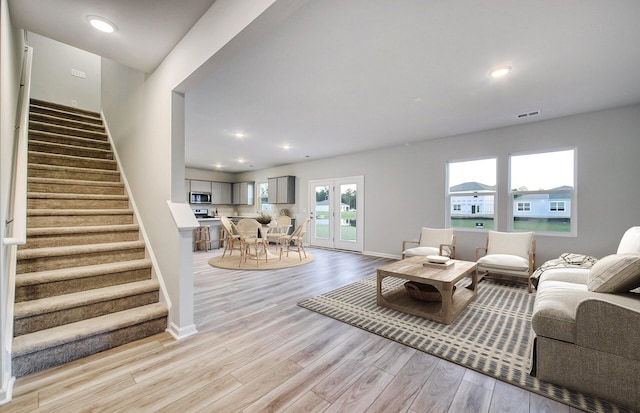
x=199, y=197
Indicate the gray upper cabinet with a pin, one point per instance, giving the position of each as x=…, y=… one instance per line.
x=200, y=186
x=282, y=190
x=243, y=193
x=221, y=193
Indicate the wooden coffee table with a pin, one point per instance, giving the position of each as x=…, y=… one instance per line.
x=444, y=279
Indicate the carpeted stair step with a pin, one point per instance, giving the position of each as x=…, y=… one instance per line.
x=72, y=161
x=66, y=149
x=66, y=130
x=42, y=284
x=58, y=345
x=67, y=140
x=44, y=313
x=67, y=172
x=44, y=218
x=39, y=200
x=65, y=236
x=65, y=112
x=53, y=119
x=68, y=186
x=42, y=104
x=52, y=258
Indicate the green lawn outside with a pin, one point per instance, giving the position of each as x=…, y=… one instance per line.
x=519, y=225
x=347, y=233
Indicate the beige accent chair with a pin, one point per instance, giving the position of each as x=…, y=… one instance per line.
x=432, y=241
x=248, y=230
x=296, y=238
x=283, y=223
x=508, y=253
x=231, y=239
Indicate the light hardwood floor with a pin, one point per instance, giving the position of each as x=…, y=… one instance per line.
x=257, y=351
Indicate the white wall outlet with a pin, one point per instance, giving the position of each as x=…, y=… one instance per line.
x=74, y=103
x=78, y=73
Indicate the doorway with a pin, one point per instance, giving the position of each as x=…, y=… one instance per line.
x=337, y=212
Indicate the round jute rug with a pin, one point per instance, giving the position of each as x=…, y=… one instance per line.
x=233, y=262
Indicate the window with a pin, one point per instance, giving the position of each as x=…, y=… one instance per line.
x=263, y=191
x=546, y=182
x=471, y=192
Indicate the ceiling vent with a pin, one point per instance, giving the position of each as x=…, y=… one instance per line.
x=528, y=114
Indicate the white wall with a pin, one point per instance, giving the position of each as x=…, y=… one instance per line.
x=52, y=79
x=405, y=185
x=11, y=51
x=149, y=138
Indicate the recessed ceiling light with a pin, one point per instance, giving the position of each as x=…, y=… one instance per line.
x=239, y=134
x=102, y=24
x=241, y=160
x=499, y=71
x=286, y=147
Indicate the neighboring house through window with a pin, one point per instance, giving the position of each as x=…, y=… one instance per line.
x=471, y=192
x=546, y=183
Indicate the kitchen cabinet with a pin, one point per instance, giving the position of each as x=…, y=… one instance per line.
x=200, y=186
x=282, y=190
x=243, y=193
x=221, y=193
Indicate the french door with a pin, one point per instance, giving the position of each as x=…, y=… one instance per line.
x=337, y=213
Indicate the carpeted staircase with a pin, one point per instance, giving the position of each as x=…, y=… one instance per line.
x=83, y=282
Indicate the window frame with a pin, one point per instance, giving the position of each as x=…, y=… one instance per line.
x=572, y=195
x=260, y=203
x=449, y=195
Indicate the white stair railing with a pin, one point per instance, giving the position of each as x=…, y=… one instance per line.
x=16, y=223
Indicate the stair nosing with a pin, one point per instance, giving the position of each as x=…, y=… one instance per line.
x=66, y=128
x=43, y=166
x=60, y=335
x=62, y=302
x=46, y=276
x=37, y=180
x=70, y=147
x=61, y=107
x=73, y=157
x=65, y=250
x=52, y=117
x=84, y=197
x=89, y=229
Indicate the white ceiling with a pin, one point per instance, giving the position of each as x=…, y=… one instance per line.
x=341, y=76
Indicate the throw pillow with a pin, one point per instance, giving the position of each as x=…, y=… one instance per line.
x=615, y=273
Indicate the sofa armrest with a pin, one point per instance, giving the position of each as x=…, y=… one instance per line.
x=610, y=324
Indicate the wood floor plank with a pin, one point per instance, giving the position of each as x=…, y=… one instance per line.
x=249, y=326
x=438, y=391
x=363, y=392
x=508, y=398
x=403, y=389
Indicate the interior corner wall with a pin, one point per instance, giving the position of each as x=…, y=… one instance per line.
x=52, y=80
x=405, y=185
x=11, y=52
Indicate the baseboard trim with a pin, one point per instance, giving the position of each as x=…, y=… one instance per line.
x=182, y=332
x=382, y=255
x=6, y=394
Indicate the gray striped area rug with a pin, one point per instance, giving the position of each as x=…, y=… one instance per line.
x=491, y=336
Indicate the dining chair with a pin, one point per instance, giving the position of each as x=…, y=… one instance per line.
x=248, y=229
x=283, y=223
x=296, y=238
x=231, y=238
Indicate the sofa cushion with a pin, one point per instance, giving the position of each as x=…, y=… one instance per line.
x=630, y=242
x=570, y=275
x=615, y=273
x=554, y=311
x=504, y=262
x=421, y=251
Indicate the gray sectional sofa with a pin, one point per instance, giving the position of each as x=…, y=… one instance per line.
x=586, y=324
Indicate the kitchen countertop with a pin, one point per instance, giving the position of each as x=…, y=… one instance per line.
x=209, y=219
